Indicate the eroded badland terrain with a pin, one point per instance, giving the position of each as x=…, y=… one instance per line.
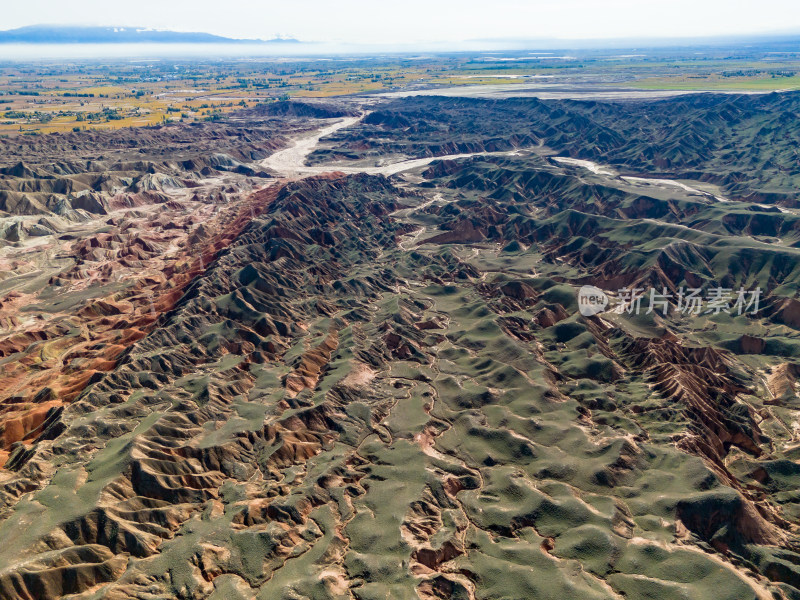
x=333, y=349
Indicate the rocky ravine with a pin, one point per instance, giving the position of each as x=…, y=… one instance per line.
x=382, y=388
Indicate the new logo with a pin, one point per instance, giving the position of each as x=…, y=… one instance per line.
x=591, y=300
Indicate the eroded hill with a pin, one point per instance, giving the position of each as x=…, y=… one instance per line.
x=354, y=386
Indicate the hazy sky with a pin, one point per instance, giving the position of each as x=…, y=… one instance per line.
x=421, y=20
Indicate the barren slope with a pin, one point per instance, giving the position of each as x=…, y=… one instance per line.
x=354, y=386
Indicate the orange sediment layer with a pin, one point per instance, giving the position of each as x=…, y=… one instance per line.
x=49, y=362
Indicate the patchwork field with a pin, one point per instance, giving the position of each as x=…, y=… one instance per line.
x=43, y=97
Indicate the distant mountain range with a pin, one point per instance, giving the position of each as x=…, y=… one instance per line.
x=54, y=34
